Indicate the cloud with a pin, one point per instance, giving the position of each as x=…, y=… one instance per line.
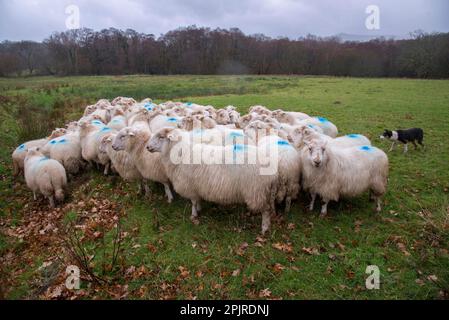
x=37, y=19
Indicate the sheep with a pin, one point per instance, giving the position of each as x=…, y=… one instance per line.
x=301, y=134
x=288, y=157
x=90, y=135
x=219, y=183
x=18, y=155
x=290, y=117
x=123, y=101
x=188, y=123
x=67, y=150
x=260, y=110
x=133, y=141
x=103, y=157
x=333, y=172
x=44, y=175
x=328, y=127
x=159, y=121
x=118, y=120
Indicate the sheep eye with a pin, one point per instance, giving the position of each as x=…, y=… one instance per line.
x=324, y=149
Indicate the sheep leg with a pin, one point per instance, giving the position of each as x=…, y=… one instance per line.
x=415, y=145
x=405, y=148
x=168, y=192
x=266, y=221
x=106, y=169
x=378, y=204
x=392, y=147
x=194, y=216
x=147, y=189
x=34, y=196
x=52, y=201
x=324, y=209
x=312, y=203
x=288, y=204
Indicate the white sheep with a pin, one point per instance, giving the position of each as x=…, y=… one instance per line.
x=121, y=163
x=159, y=121
x=19, y=154
x=306, y=133
x=118, y=120
x=290, y=117
x=288, y=158
x=333, y=172
x=326, y=126
x=220, y=183
x=66, y=149
x=133, y=141
x=44, y=175
x=90, y=136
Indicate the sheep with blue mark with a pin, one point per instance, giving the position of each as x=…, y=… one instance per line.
x=90, y=136
x=288, y=160
x=44, y=175
x=118, y=120
x=18, y=155
x=302, y=134
x=67, y=150
x=332, y=172
x=212, y=180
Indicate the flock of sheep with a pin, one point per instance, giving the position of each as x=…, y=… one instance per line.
x=260, y=159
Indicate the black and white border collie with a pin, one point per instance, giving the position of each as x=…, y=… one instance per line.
x=412, y=135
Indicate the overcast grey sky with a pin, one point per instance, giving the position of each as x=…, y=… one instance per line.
x=37, y=19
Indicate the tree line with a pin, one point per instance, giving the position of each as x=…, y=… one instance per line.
x=195, y=50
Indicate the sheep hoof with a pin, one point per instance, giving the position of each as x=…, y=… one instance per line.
x=323, y=214
x=195, y=220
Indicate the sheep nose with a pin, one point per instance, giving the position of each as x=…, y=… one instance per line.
x=317, y=162
x=114, y=147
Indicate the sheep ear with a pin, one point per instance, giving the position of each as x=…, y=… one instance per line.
x=173, y=135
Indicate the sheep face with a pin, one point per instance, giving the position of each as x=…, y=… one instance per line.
x=223, y=117
x=105, y=141
x=256, y=130
x=317, y=154
x=121, y=139
x=162, y=139
x=58, y=132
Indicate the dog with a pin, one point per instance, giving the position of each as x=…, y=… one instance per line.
x=412, y=135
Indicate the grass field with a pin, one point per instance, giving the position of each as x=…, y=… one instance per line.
x=163, y=256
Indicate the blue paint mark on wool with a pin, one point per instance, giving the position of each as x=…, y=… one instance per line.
x=322, y=120
x=117, y=120
x=353, y=135
x=97, y=123
x=172, y=119
x=43, y=159
x=105, y=129
x=236, y=134
x=149, y=108
x=239, y=147
x=53, y=141
x=62, y=140
x=21, y=148
x=189, y=104
x=283, y=143
x=367, y=148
